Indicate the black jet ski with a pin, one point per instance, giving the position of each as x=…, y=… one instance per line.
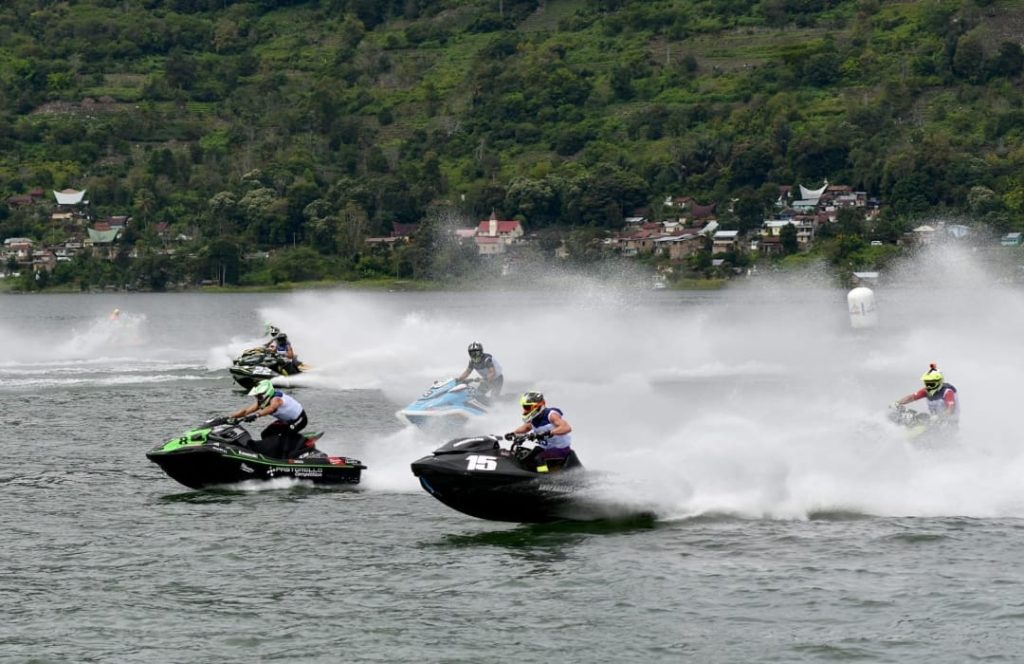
x=261, y=363
x=222, y=452
x=478, y=477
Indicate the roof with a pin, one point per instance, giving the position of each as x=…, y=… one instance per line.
x=503, y=226
x=103, y=236
x=726, y=235
x=69, y=196
x=403, y=230
x=700, y=211
x=17, y=240
x=813, y=194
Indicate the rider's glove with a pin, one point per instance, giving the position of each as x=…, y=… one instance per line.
x=250, y=417
x=510, y=435
x=230, y=420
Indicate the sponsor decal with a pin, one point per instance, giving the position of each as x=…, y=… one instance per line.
x=336, y=461
x=295, y=472
x=247, y=468
x=557, y=488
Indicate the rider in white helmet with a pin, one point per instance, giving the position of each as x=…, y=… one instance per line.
x=280, y=438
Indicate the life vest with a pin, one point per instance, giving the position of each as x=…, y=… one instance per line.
x=289, y=410
x=485, y=362
x=542, y=424
x=937, y=401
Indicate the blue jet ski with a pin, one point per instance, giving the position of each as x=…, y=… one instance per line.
x=446, y=406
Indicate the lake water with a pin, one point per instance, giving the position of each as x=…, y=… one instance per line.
x=792, y=522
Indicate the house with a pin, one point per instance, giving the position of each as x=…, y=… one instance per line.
x=70, y=197
x=20, y=248
x=804, y=228
x=101, y=239
x=724, y=241
x=506, y=230
x=490, y=246
x=702, y=211
x=1012, y=240
x=404, y=231
x=494, y=236
x=678, y=246
x=924, y=234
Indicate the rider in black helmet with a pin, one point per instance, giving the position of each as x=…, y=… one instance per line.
x=487, y=368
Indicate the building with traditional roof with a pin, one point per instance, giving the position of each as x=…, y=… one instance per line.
x=70, y=197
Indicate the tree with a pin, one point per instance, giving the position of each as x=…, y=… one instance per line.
x=969, y=58
x=787, y=236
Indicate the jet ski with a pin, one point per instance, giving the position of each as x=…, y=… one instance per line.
x=478, y=477
x=920, y=426
x=260, y=363
x=221, y=451
x=446, y=406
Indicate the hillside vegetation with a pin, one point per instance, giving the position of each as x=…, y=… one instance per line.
x=314, y=123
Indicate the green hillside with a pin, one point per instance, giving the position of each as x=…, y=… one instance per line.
x=311, y=124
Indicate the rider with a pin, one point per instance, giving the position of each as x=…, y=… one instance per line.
x=547, y=427
x=280, y=345
x=281, y=438
x=487, y=368
x=943, y=402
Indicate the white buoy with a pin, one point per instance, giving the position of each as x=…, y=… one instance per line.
x=863, y=311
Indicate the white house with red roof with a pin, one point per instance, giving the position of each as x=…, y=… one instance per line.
x=494, y=236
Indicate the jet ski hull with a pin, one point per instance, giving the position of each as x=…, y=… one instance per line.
x=490, y=484
x=247, y=377
x=223, y=454
x=444, y=408
x=211, y=465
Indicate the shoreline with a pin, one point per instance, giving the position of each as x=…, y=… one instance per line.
x=393, y=285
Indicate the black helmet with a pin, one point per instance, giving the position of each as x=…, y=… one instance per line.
x=475, y=349
x=281, y=337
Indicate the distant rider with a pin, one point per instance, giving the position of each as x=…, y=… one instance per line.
x=547, y=427
x=487, y=368
x=280, y=345
x=943, y=402
x=281, y=438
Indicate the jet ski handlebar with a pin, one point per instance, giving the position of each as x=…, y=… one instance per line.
x=519, y=438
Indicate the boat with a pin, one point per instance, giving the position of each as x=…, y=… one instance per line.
x=478, y=477
x=220, y=452
x=261, y=363
x=445, y=407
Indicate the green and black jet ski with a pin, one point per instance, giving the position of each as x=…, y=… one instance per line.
x=260, y=363
x=220, y=452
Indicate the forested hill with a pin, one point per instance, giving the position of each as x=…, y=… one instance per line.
x=318, y=122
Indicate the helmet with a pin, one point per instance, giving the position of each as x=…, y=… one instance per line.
x=270, y=329
x=264, y=391
x=475, y=349
x=932, y=380
x=281, y=338
x=532, y=403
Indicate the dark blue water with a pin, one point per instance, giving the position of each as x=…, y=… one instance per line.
x=777, y=535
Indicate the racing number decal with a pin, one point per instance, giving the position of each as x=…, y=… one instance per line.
x=480, y=462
